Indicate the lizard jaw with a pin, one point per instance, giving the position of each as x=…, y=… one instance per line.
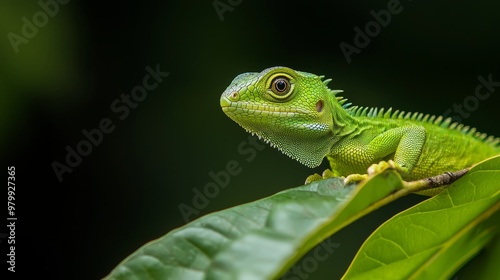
x=235, y=108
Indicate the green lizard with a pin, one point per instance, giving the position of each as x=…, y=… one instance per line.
x=298, y=114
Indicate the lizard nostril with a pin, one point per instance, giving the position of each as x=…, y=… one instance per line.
x=319, y=106
x=234, y=95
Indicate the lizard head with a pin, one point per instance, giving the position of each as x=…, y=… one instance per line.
x=291, y=110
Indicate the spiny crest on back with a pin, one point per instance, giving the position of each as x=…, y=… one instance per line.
x=381, y=113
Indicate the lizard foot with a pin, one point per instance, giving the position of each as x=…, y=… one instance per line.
x=382, y=166
x=354, y=178
x=316, y=177
x=375, y=169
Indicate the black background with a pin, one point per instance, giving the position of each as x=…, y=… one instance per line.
x=127, y=191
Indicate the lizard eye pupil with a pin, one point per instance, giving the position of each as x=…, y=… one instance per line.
x=280, y=86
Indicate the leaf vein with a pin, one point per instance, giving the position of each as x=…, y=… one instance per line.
x=395, y=244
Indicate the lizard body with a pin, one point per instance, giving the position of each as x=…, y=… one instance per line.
x=297, y=113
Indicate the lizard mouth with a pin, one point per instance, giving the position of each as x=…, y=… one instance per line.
x=230, y=107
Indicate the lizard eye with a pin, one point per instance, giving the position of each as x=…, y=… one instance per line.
x=280, y=86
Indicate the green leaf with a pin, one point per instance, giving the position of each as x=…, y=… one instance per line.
x=236, y=242
x=433, y=239
x=263, y=239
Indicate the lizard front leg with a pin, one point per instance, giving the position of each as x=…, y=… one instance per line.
x=405, y=143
